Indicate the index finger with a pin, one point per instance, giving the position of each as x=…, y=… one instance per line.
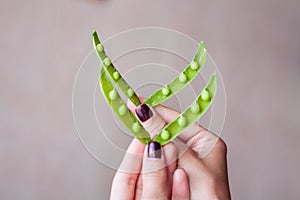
x=169, y=115
x=195, y=136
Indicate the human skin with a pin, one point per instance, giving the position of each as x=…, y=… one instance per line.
x=194, y=166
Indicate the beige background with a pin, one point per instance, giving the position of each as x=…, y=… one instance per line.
x=256, y=45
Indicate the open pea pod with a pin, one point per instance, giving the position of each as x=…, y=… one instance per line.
x=113, y=72
x=185, y=77
x=119, y=107
x=184, y=120
x=190, y=115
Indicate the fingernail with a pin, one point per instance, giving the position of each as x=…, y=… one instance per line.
x=154, y=150
x=143, y=112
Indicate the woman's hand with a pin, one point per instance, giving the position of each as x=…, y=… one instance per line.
x=201, y=154
x=150, y=175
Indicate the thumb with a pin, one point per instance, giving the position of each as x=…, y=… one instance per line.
x=181, y=188
x=154, y=173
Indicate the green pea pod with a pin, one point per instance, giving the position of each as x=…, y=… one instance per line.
x=190, y=115
x=185, y=77
x=119, y=107
x=113, y=72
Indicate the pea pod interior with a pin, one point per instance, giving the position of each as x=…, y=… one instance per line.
x=185, y=77
x=119, y=107
x=113, y=72
x=190, y=115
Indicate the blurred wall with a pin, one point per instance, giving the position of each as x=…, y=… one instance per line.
x=256, y=45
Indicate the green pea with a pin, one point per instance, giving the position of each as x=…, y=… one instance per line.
x=130, y=92
x=195, y=108
x=100, y=47
x=165, y=91
x=106, y=61
x=113, y=95
x=165, y=135
x=116, y=75
x=189, y=116
x=119, y=108
x=186, y=77
x=112, y=71
x=205, y=95
x=122, y=109
x=136, y=127
x=182, y=78
x=194, y=65
x=181, y=121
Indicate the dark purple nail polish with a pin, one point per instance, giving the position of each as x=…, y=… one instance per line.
x=154, y=150
x=143, y=112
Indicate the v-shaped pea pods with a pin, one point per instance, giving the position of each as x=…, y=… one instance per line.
x=109, y=74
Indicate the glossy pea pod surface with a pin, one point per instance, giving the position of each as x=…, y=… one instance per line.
x=119, y=107
x=185, y=77
x=113, y=72
x=190, y=115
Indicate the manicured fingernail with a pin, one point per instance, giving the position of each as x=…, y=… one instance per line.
x=143, y=112
x=154, y=150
